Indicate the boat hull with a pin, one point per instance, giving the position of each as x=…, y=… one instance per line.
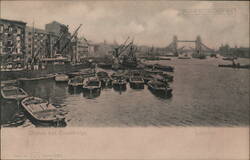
x=162, y=92
x=119, y=86
x=32, y=113
x=137, y=85
x=41, y=123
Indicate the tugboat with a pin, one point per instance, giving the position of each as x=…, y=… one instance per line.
x=136, y=82
x=13, y=93
x=159, y=88
x=61, y=78
x=76, y=81
x=91, y=85
x=42, y=112
x=104, y=78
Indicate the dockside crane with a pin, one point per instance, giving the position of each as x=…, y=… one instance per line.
x=70, y=39
x=127, y=58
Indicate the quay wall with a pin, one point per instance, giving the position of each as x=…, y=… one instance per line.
x=50, y=69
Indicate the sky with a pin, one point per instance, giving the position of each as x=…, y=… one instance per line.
x=152, y=23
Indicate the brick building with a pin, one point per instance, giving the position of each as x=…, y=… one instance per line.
x=36, y=41
x=12, y=44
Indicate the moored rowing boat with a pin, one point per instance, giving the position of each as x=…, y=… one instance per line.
x=42, y=111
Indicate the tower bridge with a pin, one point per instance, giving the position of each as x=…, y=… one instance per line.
x=199, y=46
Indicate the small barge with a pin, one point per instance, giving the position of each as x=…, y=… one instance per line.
x=136, y=82
x=119, y=83
x=158, y=87
x=104, y=78
x=61, y=78
x=13, y=93
x=42, y=112
x=76, y=81
x=91, y=85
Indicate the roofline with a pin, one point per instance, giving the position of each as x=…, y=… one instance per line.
x=15, y=21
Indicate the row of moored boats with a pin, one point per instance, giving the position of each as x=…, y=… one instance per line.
x=157, y=81
x=39, y=110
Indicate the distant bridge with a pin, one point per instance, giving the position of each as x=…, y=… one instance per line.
x=199, y=46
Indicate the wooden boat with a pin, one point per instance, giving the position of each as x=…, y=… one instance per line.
x=163, y=68
x=159, y=87
x=168, y=77
x=184, y=57
x=152, y=71
x=164, y=58
x=84, y=73
x=105, y=65
x=48, y=76
x=76, y=81
x=93, y=84
x=239, y=66
x=42, y=111
x=135, y=73
x=136, y=82
x=119, y=83
x=147, y=77
x=104, y=78
x=61, y=78
x=13, y=93
x=9, y=83
x=118, y=74
x=229, y=58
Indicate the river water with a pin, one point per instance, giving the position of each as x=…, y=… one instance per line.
x=203, y=95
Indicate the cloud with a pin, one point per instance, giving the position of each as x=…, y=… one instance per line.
x=150, y=23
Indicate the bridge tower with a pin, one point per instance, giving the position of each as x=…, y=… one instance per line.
x=198, y=45
x=175, y=45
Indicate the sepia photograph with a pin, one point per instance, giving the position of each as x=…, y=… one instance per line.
x=155, y=66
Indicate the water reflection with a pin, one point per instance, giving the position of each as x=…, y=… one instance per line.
x=120, y=88
x=160, y=95
x=74, y=90
x=136, y=87
x=91, y=94
x=12, y=114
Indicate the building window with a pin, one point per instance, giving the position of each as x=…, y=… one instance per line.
x=5, y=26
x=1, y=28
x=10, y=29
x=9, y=43
x=29, y=33
x=18, y=31
x=9, y=49
x=18, y=50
